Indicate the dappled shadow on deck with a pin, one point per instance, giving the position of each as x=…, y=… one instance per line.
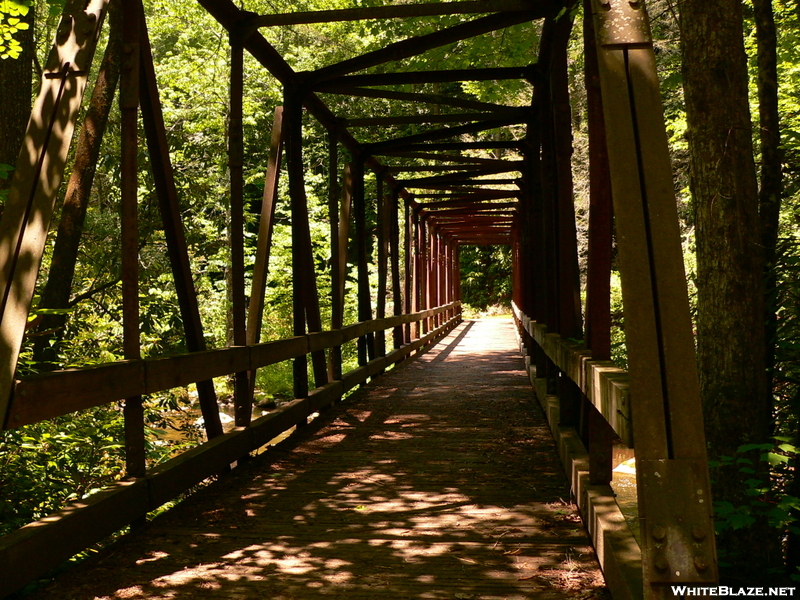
x=439, y=480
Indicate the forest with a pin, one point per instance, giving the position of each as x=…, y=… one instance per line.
x=729, y=74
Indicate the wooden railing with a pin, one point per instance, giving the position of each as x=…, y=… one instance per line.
x=37, y=547
x=605, y=386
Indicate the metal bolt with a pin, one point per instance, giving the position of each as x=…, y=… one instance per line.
x=661, y=563
x=635, y=4
x=698, y=533
x=700, y=563
x=659, y=533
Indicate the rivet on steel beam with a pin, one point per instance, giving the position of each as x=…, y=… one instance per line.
x=129, y=60
x=700, y=563
x=659, y=533
x=635, y=4
x=698, y=533
x=661, y=563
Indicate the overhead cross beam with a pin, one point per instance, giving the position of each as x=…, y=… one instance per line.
x=527, y=72
x=396, y=12
x=430, y=118
x=417, y=45
x=444, y=133
x=436, y=99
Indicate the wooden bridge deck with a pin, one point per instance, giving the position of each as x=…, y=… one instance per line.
x=439, y=480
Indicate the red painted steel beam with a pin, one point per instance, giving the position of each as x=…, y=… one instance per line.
x=400, y=11
x=528, y=72
x=445, y=132
x=419, y=44
x=429, y=118
x=437, y=99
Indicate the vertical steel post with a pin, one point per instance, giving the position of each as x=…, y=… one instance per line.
x=360, y=214
x=337, y=316
x=671, y=464
x=334, y=191
x=394, y=251
x=410, y=262
x=598, y=276
x=383, y=251
x=242, y=399
x=422, y=269
x=293, y=130
x=129, y=192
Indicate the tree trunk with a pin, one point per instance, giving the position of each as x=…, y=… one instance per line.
x=730, y=266
x=57, y=290
x=771, y=159
x=16, y=81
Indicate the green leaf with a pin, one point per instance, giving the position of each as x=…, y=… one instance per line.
x=775, y=459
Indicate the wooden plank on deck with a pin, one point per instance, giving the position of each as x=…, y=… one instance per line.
x=439, y=480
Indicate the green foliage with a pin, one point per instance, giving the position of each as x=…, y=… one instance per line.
x=11, y=14
x=764, y=470
x=485, y=276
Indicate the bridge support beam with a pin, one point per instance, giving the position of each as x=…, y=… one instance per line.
x=258, y=289
x=305, y=300
x=672, y=473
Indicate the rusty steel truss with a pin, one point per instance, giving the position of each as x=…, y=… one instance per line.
x=446, y=203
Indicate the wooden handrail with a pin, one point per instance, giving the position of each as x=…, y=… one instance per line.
x=50, y=395
x=604, y=384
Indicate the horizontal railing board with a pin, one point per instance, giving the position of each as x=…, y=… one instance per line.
x=190, y=468
x=31, y=551
x=603, y=383
x=54, y=394
x=38, y=547
x=269, y=353
x=176, y=371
